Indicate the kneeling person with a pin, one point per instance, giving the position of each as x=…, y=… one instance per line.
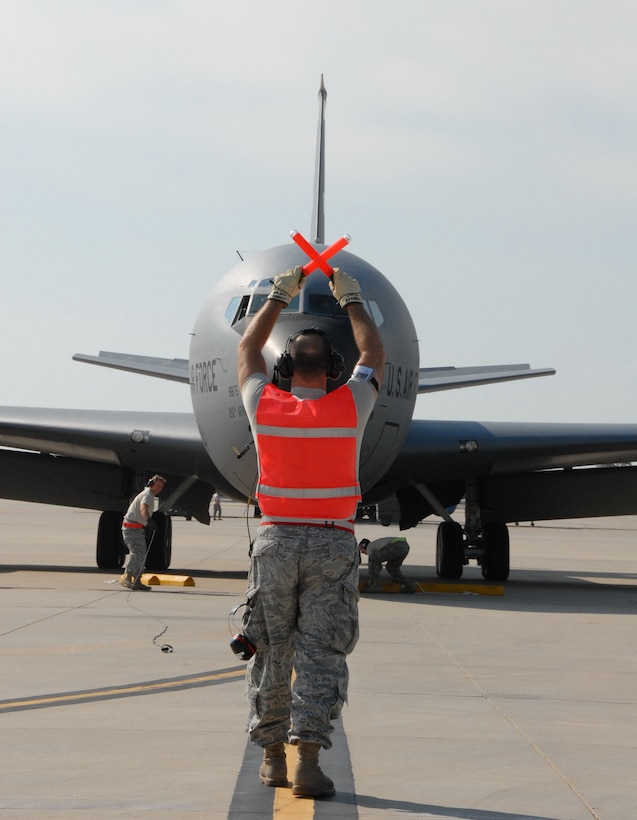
x=391, y=552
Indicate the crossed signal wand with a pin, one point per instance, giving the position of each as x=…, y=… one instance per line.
x=319, y=260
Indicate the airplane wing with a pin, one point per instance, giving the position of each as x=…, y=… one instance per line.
x=175, y=370
x=520, y=471
x=433, y=379
x=96, y=459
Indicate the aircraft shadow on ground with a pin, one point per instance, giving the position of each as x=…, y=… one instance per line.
x=371, y=802
x=526, y=590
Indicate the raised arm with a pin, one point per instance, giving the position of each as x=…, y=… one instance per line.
x=368, y=340
x=249, y=356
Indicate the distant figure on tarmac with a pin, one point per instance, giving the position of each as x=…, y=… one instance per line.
x=391, y=552
x=216, y=507
x=138, y=518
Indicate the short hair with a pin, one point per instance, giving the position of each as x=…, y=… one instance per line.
x=310, y=351
x=155, y=478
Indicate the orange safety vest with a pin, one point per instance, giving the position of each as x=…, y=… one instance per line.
x=307, y=455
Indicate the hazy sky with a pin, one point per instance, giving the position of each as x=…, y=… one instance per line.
x=481, y=153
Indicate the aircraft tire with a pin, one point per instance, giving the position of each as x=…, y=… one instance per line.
x=496, y=562
x=160, y=552
x=449, y=550
x=110, y=552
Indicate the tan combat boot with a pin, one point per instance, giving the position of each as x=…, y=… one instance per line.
x=274, y=771
x=309, y=780
x=126, y=580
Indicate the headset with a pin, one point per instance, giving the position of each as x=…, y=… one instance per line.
x=335, y=362
x=240, y=644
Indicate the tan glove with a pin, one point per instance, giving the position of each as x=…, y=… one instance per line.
x=345, y=288
x=286, y=285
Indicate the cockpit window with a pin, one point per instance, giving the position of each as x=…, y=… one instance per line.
x=232, y=314
x=319, y=304
x=322, y=304
x=241, y=306
x=259, y=299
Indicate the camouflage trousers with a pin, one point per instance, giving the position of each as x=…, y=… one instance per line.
x=392, y=555
x=302, y=617
x=135, y=541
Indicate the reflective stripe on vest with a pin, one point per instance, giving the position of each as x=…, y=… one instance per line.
x=311, y=446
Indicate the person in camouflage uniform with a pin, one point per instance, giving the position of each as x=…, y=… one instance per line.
x=302, y=596
x=139, y=516
x=391, y=552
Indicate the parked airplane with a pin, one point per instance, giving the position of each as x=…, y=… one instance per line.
x=505, y=471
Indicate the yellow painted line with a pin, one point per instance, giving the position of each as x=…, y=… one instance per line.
x=133, y=689
x=441, y=586
x=168, y=580
x=473, y=589
x=286, y=805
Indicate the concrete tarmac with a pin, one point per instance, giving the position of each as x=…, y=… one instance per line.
x=521, y=705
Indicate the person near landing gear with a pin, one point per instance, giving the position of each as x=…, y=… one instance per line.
x=391, y=552
x=138, y=517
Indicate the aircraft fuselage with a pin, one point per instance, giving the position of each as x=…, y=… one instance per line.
x=216, y=399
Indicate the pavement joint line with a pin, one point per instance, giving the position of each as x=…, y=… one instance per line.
x=108, y=693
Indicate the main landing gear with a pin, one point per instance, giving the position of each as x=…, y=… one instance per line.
x=489, y=546
x=486, y=543
x=111, y=552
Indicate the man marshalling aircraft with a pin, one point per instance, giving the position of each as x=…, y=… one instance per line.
x=505, y=471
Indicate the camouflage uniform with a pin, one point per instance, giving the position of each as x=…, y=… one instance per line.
x=134, y=539
x=135, y=542
x=302, y=611
x=302, y=615
x=391, y=552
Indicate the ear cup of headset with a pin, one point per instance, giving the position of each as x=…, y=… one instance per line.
x=285, y=365
x=335, y=365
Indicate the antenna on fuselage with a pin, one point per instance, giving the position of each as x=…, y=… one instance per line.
x=318, y=214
